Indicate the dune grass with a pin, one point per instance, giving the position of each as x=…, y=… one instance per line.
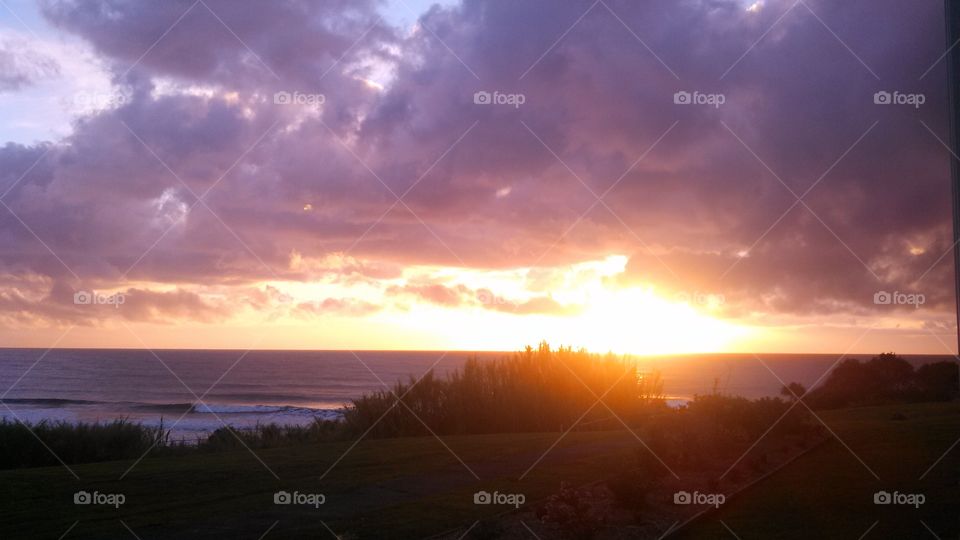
x=537, y=389
x=30, y=445
x=46, y=443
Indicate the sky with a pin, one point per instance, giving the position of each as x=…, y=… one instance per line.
x=671, y=176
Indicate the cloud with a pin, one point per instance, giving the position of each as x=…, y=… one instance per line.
x=28, y=301
x=453, y=296
x=21, y=67
x=538, y=305
x=336, y=306
x=435, y=293
x=201, y=178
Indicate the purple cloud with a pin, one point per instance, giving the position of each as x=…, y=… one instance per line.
x=700, y=197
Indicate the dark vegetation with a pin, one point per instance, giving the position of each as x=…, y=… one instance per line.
x=701, y=440
x=717, y=425
x=826, y=493
x=570, y=514
x=73, y=443
x=885, y=379
x=536, y=390
x=270, y=436
x=41, y=444
x=633, y=485
x=716, y=444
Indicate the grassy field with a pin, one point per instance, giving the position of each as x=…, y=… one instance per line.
x=415, y=487
x=828, y=493
x=398, y=488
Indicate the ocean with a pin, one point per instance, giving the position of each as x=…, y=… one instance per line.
x=294, y=387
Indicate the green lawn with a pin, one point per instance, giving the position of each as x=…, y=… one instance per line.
x=414, y=488
x=399, y=488
x=828, y=493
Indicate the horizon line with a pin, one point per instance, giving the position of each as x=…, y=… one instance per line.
x=449, y=351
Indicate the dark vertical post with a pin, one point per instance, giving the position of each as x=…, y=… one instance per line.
x=953, y=97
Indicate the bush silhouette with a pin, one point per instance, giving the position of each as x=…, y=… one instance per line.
x=886, y=378
x=540, y=389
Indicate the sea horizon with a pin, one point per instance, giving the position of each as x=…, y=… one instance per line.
x=502, y=351
x=196, y=391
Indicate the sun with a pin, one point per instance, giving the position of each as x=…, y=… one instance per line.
x=582, y=305
x=638, y=321
x=635, y=321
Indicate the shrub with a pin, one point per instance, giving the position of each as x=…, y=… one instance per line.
x=41, y=444
x=570, y=513
x=886, y=378
x=631, y=487
x=271, y=435
x=938, y=381
x=629, y=490
x=534, y=390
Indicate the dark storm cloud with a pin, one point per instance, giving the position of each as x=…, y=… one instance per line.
x=693, y=190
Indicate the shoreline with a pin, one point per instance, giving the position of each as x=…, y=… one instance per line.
x=183, y=420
